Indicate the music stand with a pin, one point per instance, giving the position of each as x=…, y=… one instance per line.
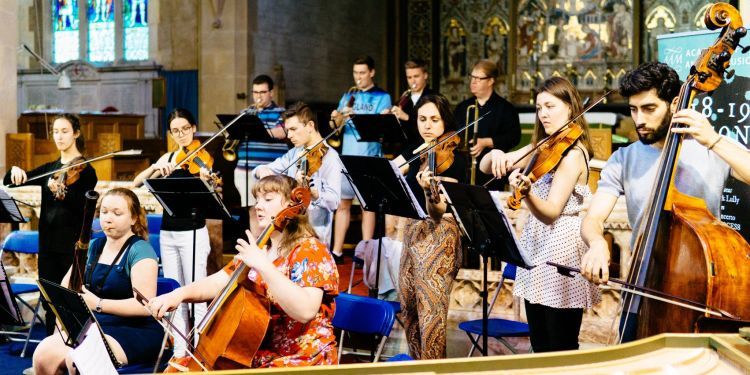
x=74, y=316
x=10, y=314
x=378, y=128
x=248, y=128
x=201, y=199
x=9, y=212
x=488, y=232
x=381, y=188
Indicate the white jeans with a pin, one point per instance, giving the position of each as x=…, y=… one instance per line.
x=239, y=182
x=177, y=263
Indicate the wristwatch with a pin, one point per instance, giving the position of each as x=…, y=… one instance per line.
x=98, y=307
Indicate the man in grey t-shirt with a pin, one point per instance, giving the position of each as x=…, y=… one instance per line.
x=706, y=159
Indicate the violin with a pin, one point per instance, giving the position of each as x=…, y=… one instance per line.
x=546, y=158
x=312, y=161
x=438, y=159
x=236, y=321
x=192, y=161
x=67, y=177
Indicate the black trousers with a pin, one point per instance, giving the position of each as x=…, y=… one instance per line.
x=553, y=329
x=52, y=267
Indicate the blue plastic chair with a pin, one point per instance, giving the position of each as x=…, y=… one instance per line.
x=26, y=242
x=163, y=286
x=496, y=327
x=363, y=315
x=154, y=223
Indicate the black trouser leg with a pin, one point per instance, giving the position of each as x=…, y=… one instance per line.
x=52, y=267
x=553, y=329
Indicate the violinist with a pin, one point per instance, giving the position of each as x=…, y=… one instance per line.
x=298, y=275
x=554, y=303
x=176, y=236
x=324, y=182
x=63, y=197
x=432, y=248
x=114, y=265
x=706, y=160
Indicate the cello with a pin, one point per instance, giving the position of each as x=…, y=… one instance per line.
x=682, y=250
x=237, y=319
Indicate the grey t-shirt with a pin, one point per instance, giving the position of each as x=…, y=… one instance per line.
x=631, y=171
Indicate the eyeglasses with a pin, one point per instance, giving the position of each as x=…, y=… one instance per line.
x=180, y=131
x=475, y=78
x=260, y=92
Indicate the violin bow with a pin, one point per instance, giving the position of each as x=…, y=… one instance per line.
x=65, y=168
x=558, y=131
x=169, y=327
x=654, y=294
x=426, y=147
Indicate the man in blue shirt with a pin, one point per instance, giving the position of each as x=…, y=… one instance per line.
x=364, y=98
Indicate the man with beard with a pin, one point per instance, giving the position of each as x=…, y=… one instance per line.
x=706, y=160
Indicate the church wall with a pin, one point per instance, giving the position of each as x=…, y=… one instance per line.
x=8, y=57
x=174, y=33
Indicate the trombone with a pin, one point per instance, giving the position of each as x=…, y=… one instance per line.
x=467, y=144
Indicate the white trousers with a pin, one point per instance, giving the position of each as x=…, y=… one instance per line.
x=177, y=263
x=239, y=182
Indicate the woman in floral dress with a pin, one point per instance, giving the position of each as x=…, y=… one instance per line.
x=298, y=274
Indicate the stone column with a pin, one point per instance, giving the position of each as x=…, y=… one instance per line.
x=8, y=61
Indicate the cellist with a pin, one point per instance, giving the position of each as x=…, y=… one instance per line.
x=176, y=236
x=706, y=160
x=554, y=303
x=312, y=151
x=298, y=274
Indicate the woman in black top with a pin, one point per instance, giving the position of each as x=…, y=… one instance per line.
x=62, y=213
x=432, y=247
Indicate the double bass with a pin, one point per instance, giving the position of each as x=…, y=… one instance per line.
x=682, y=250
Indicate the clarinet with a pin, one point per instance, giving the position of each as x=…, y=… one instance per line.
x=80, y=253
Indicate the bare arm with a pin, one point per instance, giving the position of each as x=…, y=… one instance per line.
x=153, y=171
x=203, y=290
x=499, y=163
x=596, y=259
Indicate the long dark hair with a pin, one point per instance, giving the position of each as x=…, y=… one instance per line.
x=75, y=123
x=443, y=107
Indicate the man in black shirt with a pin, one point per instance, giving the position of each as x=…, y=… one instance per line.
x=500, y=128
x=416, y=76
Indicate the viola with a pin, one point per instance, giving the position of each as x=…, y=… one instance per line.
x=312, y=161
x=438, y=159
x=67, y=177
x=237, y=319
x=546, y=158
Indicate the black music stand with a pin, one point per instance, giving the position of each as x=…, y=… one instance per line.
x=74, y=316
x=382, y=189
x=248, y=128
x=201, y=199
x=488, y=232
x=379, y=128
x=9, y=212
x=10, y=314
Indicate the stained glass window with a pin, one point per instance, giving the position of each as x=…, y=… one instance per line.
x=101, y=19
x=135, y=24
x=64, y=30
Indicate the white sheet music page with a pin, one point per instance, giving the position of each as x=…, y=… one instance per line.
x=414, y=201
x=91, y=356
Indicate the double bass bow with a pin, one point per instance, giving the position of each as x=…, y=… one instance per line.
x=682, y=250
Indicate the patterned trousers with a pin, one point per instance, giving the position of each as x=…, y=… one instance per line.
x=429, y=264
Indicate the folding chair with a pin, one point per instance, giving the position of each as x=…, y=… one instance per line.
x=356, y=261
x=163, y=286
x=497, y=328
x=26, y=242
x=363, y=315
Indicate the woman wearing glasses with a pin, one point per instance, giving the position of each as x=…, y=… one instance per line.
x=176, y=236
x=499, y=128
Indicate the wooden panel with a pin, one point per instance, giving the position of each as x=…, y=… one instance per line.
x=119, y=169
x=601, y=141
x=19, y=150
x=127, y=125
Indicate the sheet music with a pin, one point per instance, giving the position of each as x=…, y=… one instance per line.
x=92, y=356
x=10, y=205
x=405, y=185
x=499, y=205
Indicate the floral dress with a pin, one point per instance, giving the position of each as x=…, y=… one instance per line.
x=289, y=343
